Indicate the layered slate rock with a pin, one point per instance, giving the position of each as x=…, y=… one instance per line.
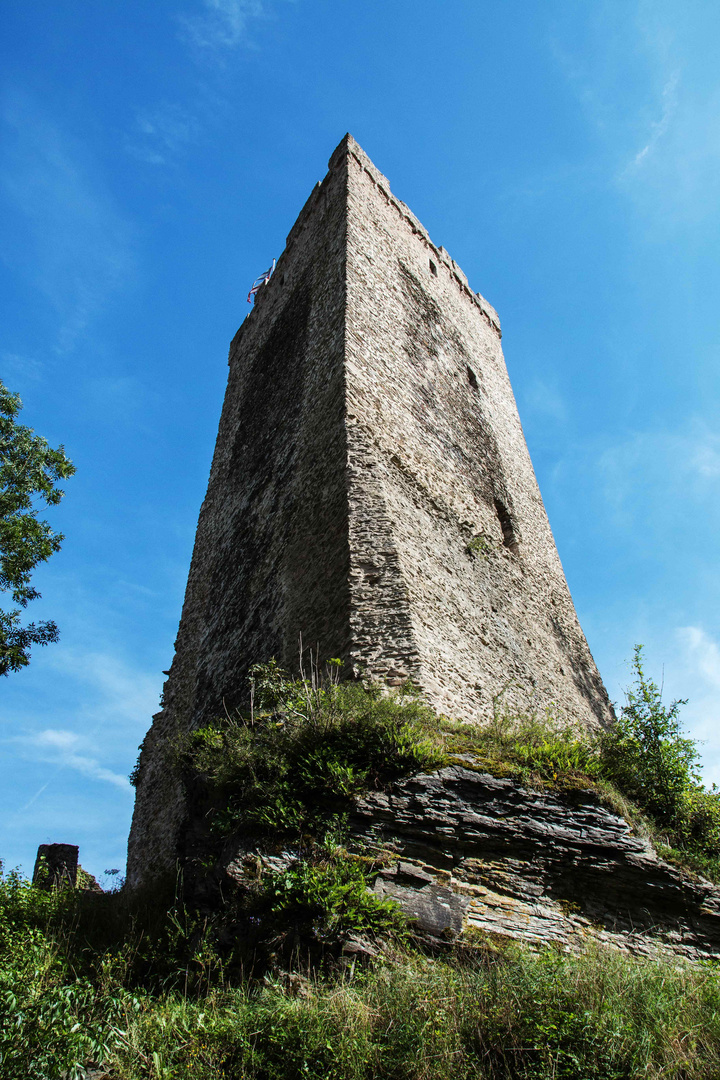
x=472, y=851
x=371, y=490
x=472, y=857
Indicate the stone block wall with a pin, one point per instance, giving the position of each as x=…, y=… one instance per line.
x=455, y=577
x=371, y=490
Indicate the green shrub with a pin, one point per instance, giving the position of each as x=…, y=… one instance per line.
x=649, y=758
x=150, y=986
x=325, y=903
x=292, y=765
x=479, y=547
x=646, y=754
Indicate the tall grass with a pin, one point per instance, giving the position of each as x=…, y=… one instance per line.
x=480, y=1012
x=153, y=986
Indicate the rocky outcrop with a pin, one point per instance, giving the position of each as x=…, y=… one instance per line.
x=465, y=853
x=474, y=852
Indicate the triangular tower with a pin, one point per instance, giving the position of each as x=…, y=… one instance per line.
x=371, y=489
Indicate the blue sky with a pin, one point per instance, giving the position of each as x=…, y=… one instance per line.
x=152, y=160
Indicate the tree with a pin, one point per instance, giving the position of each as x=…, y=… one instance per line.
x=29, y=471
x=647, y=754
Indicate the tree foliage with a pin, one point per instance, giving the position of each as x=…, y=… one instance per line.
x=648, y=756
x=29, y=472
x=646, y=752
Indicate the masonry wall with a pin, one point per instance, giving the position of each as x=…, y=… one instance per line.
x=371, y=490
x=271, y=552
x=455, y=576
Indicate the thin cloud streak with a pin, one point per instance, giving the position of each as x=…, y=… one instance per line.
x=162, y=132
x=61, y=748
x=222, y=25
x=73, y=241
x=120, y=692
x=659, y=127
x=637, y=89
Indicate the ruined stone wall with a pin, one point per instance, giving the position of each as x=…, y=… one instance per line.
x=271, y=552
x=370, y=489
x=455, y=576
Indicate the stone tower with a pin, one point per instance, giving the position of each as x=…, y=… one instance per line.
x=371, y=489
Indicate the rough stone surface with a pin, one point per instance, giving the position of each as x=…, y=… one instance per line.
x=471, y=852
x=474, y=851
x=371, y=490
x=56, y=864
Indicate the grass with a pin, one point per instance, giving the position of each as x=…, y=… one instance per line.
x=181, y=984
x=67, y=1005
x=518, y=1016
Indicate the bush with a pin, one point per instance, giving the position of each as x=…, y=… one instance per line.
x=649, y=758
x=324, y=903
x=293, y=763
x=501, y=1015
x=646, y=754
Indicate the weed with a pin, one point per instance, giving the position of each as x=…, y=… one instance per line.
x=293, y=764
x=479, y=547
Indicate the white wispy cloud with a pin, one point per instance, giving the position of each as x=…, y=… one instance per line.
x=161, y=132
x=704, y=655
x=70, y=238
x=644, y=470
x=67, y=750
x=101, y=706
x=706, y=458
x=223, y=24
x=654, y=115
x=658, y=128
x=120, y=691
x=211, y=32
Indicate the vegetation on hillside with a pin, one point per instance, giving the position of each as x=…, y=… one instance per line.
x=90, y=984
x=168, y=985
x=289, y=767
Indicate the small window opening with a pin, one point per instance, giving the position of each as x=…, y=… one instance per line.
x=509, y=537
x=433, y=268
x=472, y=378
